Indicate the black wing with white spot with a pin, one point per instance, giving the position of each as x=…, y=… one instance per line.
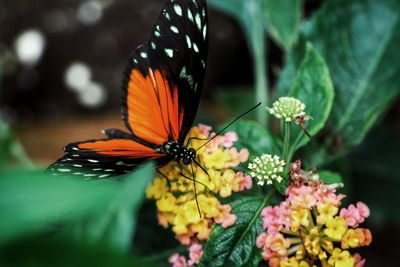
x=102, y=158
x=178, y=48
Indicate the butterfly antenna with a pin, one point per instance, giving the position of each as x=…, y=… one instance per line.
x=250, y=110
x=195, y=191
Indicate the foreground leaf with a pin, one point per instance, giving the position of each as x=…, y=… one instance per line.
x=235, y=246
x=45, y=251
x=115, y=225
x=314, y=88
x=32, y=202
x=359, y=40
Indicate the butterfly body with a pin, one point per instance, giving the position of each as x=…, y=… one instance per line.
x=160, y=97
x=179, y=152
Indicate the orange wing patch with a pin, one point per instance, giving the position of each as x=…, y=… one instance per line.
x=153, y=108
x=119, y=148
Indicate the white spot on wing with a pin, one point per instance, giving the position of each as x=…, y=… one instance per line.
x=195, y=48
x=153, y=45
x=203, y=63
x=190, y=15
x=188, y=41
x=205, y=31
x=167, y=15
x=63, y=170
x=169, y=52
x=198, y=21
x=178, y=10
x=92, y=160
x=77, y=165
x=174, y=29
x=104, y=175
x=143, y=55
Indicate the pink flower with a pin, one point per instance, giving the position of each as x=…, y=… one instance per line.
x=363, y=209
x=351, y=215
x=325, y=194
x=260, y=241
x=302, y=197
x=204, y=129
x=237, y=157
x=195, y=253
x=245, y=181
x=229, y=139
x=354, y=215
x=177, y=260
x=359, y=262
x=225, y=218
x=185, y=239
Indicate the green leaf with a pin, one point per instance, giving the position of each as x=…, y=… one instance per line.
x=33, y=202
x=116, y=224
x=49, y=251
x=329, y=177
x=254, y=137
x=313, y=87
x=235, y=246
x=359, y=41
x=282, y=19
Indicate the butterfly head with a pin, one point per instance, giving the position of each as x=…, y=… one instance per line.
x=189, y=157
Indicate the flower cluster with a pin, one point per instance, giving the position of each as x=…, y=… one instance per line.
x=266, y=169
x=287, y=108
x=176, y=199
x=307, y=229
x=195, y=253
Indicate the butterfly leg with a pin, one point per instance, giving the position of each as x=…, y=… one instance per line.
x=191, y=179
x=201, y=167
x=195, y=190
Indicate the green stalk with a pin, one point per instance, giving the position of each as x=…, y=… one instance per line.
x=286, y=142
x=260, y=53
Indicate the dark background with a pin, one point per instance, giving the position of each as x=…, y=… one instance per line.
x=46, y=114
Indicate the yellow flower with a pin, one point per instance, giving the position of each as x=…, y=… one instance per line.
x=229, y=184
x=176, y=201
x=352, y=238
x=166, y=203
x=190, y=211
x=217, y=159
x=326, y=212
x=293, y=262
x=335, y=228
x=300, y=217
x=208, y=206
x=341, y=258
x=157, y=188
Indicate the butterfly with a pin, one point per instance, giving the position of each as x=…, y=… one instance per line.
x=160, y=97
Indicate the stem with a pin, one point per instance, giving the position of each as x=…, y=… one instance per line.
x=286, y=142
x=258, y=44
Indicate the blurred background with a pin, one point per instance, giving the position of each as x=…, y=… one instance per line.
x=61, y=66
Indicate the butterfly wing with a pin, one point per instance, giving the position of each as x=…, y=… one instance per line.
x=102, y=158
x=161, y=93
x=164, y=77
